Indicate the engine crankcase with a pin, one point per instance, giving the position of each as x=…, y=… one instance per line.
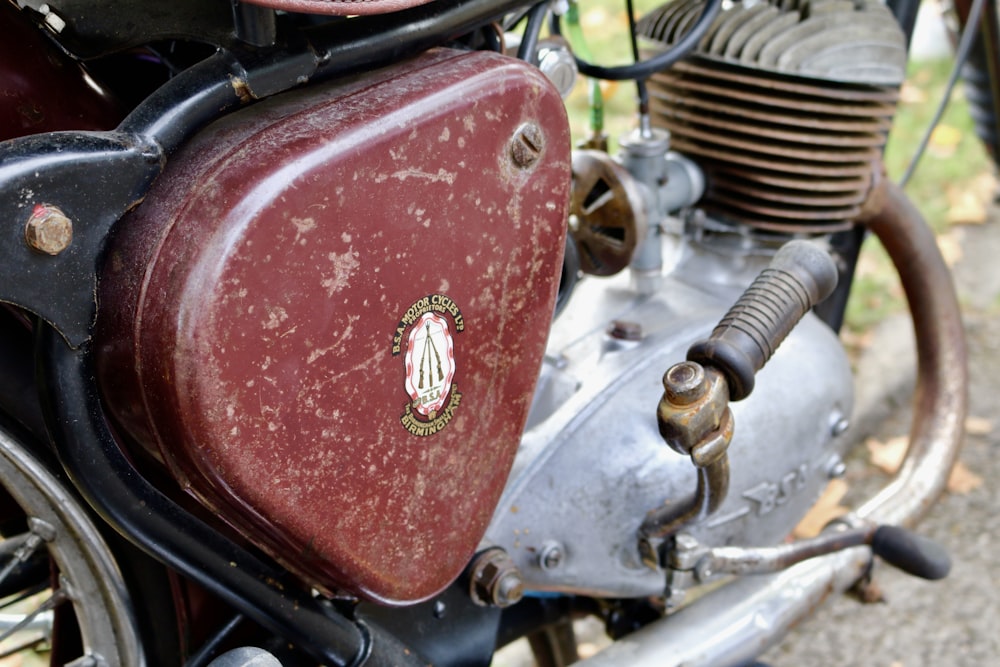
x=592, y=462
x=328, y=316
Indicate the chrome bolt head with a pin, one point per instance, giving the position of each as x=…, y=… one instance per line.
x=551, y=556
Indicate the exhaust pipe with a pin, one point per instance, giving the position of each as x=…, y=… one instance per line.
x=737, y=623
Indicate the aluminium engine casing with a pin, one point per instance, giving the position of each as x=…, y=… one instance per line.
x=592, y=462
x=327, y=317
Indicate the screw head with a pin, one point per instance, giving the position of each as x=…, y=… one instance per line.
x=527, y=145
x=48, y=230
x=551, y=556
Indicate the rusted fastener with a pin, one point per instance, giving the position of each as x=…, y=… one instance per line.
x=48, y=230
x=494, y=580
x=625, y=330
x=527, y=145
x=693, y=415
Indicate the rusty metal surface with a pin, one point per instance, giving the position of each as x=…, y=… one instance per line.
x=333, y=334
x=941, y=397
x=604, y=206
x=36, y=81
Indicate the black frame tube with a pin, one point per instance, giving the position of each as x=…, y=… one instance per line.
x=159, y=526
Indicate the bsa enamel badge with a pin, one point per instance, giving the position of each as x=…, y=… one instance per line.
x=425, y=337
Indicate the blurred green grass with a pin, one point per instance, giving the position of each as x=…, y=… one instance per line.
x=954, y=165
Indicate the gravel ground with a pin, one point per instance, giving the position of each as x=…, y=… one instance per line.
x=953, y=622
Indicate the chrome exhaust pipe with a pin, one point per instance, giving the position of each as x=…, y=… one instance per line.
x=734, y=625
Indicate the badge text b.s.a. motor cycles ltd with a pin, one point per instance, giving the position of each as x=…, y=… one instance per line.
x=424, y=337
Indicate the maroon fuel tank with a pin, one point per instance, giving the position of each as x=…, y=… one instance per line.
x=328, y=315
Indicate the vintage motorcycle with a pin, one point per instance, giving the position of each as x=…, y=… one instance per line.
x=322, y=346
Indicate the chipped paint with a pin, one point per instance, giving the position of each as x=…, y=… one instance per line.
x=260, y=346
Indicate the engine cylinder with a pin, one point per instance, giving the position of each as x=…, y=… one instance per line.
x=785, y=108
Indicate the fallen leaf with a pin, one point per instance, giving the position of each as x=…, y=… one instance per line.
x=950, y=247
x=911, y=94
x=888, y=455
x=978, y=426
x=963, y=481
x=944, y=140
x=858, y=340
x=984, y=185
x=826, y=509
x=965, y=208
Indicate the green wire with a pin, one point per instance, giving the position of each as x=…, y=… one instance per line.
x=574, y=32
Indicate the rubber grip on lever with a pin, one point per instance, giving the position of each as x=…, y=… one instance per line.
x=800, y=275
x=911, y=553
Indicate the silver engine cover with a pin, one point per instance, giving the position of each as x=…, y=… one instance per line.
x=592, y=462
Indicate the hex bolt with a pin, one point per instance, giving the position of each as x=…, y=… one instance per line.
x=494, y=580
x=684, y=383
x=48, y=230
x=687, y=552
x=551, y=556
x=526, y=146
x=624, y=330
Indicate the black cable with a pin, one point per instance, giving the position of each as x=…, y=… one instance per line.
x=211, y=647
x=640, y=84
x=646, y=68
x=528, y=50
x=961, y=55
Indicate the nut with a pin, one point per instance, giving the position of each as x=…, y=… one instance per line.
x=686, y=424
x=526, y=146
x=48, y=230
x=495, y=580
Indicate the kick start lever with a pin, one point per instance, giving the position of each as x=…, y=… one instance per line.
x=694, y=416
x=911, y=553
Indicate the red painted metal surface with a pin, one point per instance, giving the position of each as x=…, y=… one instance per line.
x=41, y=88
x=328, y=316
x=340, y=7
